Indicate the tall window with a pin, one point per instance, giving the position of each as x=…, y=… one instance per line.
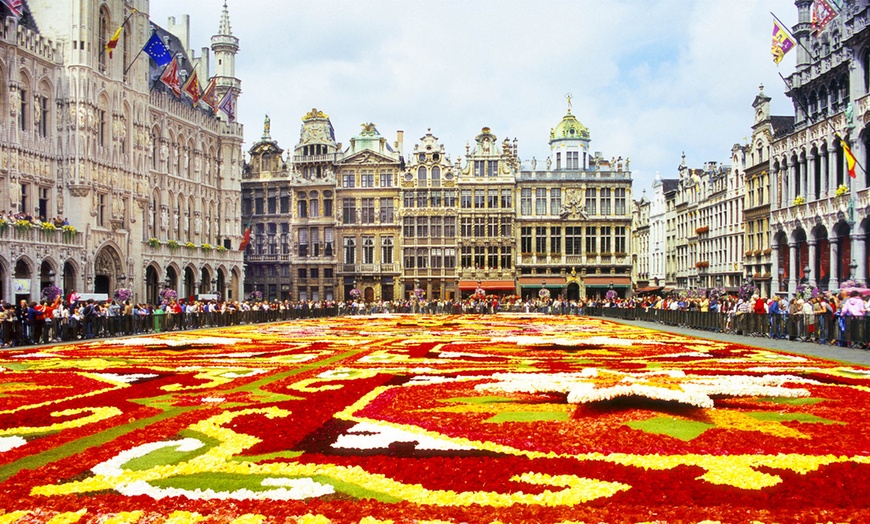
x=367, y=213
x=540, y=240
x=328, y=242
x=449, y=257
x=572, y=160
x=349, y=250
x=422, y=198
x=506, y=254
x=573, y=237
x=619, y=239
x=541, y=201
x=506, y=227
x=558, y=161
x=556, y=240
x=479, y=227
x=409, y=199
x=605, y=201
x=591, y=247
x=606, y=246
x=42, y=105
x=421, y=176
x=465, y=199
x=465, y=227
x=465, y=256
x=450, y=198
x=479, y=199
x=590, y=201
x=422, y=227
x=422, y=257
x=302, y=205
x=348, y=180
x=387, y=250
x=436, y=228
x=409, y=255
x=348, y=208
x=479, y=256
x=387, y=211
x=408, y=227
x=102, y=129
x=367, y=179
x=327, y=203
x=619, y=206
x=314, y=235
x=492, y=227
x=492, y=256
x=435, y=198
x=103, y=38
x=313, y=205
x=437, y=257
x=435, y=178
x=368, y=250
x=101, y=210
x=555, y=201
x=506, y=200
x=492, y=198
x=386, y=179
x=526, y=240
x=488, y=168
x=526, y=201
x=303, y=242
x=449, y=227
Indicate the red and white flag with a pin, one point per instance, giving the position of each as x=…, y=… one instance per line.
x=170, y=77
x=15, y=6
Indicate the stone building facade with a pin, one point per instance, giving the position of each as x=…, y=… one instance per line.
x=91, y=138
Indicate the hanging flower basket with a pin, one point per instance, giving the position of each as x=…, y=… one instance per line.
x=51, y=292
x=153, y=242
x=173, y=244
x=544, y=293
x=355, y=294
x=842, y=190
x=68, y=230
x=123, y=294
x=207, y=247
x=256, y=296
x=419, y=293
x=168, y=294
x=48, y=227
x=799, y=200
x=23, y=224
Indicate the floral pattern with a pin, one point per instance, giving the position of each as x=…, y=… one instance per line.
x=505, y=418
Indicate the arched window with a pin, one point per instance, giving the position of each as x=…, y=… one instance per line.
x=436, y=176
x=421, y=175
x=313, y=205
x=302, y=205
x=103, y=38
x=349, y=250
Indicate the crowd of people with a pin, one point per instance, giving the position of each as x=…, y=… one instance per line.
x=11, y=217
x=822, y=317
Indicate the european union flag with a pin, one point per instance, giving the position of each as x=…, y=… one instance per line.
x=157, y=50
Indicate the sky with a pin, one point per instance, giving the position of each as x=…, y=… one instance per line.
x=650, y=79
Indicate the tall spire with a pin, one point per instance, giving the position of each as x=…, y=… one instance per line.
x=225, y=28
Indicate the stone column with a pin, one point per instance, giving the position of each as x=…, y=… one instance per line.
x=859, y=253
x=793, y=277
x=835, y=255
x=774, y=269
x=824, y=178
x=811, y=178
x=813, y=254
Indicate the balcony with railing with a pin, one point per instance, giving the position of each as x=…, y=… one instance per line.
x=37, y=235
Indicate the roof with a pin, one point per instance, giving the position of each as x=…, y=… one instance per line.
x=670, y=184
x=185, y=66
x=569, y=129
x=782, y=125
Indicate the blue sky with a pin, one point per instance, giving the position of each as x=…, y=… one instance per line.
x=650, y=79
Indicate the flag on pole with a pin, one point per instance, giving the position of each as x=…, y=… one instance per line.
x=850, y=158
x=246, y=237
x=15, y=7
x=228, y=105
x=156, y=49
x=170, y=77
x=823, y=13
x=782, y=42
x=191, y=88
x=113, y=42
x=209, y=96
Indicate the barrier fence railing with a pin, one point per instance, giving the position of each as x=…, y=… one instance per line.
x=823, y=328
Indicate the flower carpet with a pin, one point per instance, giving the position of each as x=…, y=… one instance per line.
x=507, y=418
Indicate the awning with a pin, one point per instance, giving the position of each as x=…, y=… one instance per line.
x=603, y=282
x=538, y=282
x=488, y=285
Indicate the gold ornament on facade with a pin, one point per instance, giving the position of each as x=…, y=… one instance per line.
x=314, y=113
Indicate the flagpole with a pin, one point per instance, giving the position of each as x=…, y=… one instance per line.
x=787, y=30
x=103, y=50
x=136, y=57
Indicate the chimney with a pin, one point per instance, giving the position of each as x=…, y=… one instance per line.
x=400, y=141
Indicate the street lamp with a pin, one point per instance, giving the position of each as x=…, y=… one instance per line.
x=51, y=275
x=853, y=267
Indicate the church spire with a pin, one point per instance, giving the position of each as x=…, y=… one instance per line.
x=225, y=28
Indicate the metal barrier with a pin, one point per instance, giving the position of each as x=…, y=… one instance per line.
x=822, y=328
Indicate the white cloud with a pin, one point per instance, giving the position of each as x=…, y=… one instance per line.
x=650, y=79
